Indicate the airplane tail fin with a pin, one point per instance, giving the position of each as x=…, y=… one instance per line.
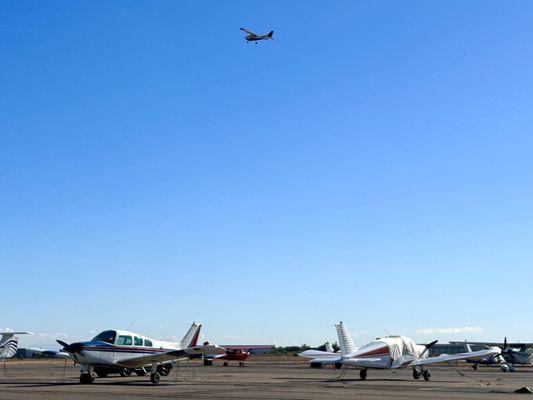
x=8, y=345
x=270, y=34
x=329, y=347
x=345, y=340
x=191, y=337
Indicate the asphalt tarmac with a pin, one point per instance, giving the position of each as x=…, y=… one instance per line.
x=259, y=379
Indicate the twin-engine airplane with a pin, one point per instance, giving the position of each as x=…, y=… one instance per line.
x=511, y=354
x=252, y=37
x=390, y=352
x=9, y=343
x=122, y=351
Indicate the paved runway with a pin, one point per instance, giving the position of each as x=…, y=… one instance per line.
x=262, y=379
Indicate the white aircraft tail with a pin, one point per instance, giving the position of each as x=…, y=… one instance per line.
x=345, y=340
x=191, y=337
x=9, y=343
x=329, y=347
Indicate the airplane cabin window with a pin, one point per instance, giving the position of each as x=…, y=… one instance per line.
x=147, y=342
x=138, y=341
x=124, y=341
x=106, y=336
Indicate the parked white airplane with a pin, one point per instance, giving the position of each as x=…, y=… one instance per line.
x=122, y=351
x=9, y=343
x=390, y=352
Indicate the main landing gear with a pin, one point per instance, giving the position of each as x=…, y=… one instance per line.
x=425, y=374
x=86, y=375
x=363, y=373
x=86, y=378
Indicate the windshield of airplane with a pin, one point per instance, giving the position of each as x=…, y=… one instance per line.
x=106, y=336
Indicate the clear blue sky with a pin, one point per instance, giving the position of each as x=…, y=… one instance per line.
x=373, y=163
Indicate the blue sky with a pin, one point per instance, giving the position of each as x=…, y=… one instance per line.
x=371, y=164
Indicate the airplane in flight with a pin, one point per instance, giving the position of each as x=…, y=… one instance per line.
x=121, y=351
x=511, y=354
x=389, y=352
x=252, y=37
x=9, y=343
x=235, y=353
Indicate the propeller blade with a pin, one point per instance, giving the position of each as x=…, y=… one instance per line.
x=71, y=348
x=428, y=346
x=64, y=344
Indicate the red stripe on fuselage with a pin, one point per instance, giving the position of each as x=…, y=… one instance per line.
x=382, y=351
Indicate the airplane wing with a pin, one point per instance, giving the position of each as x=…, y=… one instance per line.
x=472, y=355
x=362, y=362
x=318, y=354
x=248, y=32
x=170, y=355
x=498, y=344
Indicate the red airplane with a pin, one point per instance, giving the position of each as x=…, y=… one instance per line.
x=236, y=353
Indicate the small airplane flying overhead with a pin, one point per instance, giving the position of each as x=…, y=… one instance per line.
x=390, y=352
x=252, y=37
x=9, y=343
x=122, y=351
x=511, y=354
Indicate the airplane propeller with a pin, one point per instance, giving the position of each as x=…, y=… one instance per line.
x=428, y=346
x=71, y=348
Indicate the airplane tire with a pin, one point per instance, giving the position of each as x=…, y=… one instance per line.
x=225, y=364
x=362, y=374
x=154, y=378
x=164, y=371
x=241, y=364
x=427, y=375
x=86, y=378
x=474, y=366
x=416, y=374
x=101, y=373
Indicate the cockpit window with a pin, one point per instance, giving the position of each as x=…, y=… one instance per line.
x=138, y=341
x=124, y=340
x=106, y=336
x=147, y=342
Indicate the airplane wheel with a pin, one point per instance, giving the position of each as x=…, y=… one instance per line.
x=427, y=375
x=125, y=372
x=416, y=374
x=474, y=366
x=225, y=364
x=164, y=371
x=362, y=374
x=86, y=378
x=154, y=378
x=241, y=364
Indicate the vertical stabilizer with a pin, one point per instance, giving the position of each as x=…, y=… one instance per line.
x=191, y=337
x=329, y=347
x=345, y=340
x=9, y=343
